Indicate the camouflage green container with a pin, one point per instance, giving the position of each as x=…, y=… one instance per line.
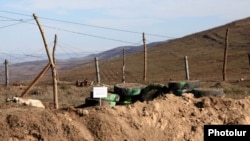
x=112, y=97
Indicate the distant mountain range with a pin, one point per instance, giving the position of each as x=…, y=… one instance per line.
x=112, y=53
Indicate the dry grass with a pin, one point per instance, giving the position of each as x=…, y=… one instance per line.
x=205, y=51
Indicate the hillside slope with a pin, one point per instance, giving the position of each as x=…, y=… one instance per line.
x=205, y=51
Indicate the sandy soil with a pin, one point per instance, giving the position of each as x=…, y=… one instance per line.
x=166, y=118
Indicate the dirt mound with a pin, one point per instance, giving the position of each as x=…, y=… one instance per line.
x=167, y=118
x=27, y=123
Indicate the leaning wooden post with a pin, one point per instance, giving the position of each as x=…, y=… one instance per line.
x=123, y=67
x=225, y=56
x=45, y=69
x=186, y=67
x=51, y=63
x=97, y=70
x=145, y=57
x=6, y=73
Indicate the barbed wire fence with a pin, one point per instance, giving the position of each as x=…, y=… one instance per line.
x=172, y=68
x=110, y=69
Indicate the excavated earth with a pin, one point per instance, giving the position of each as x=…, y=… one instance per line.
x=166, y=118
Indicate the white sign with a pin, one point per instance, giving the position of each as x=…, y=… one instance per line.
x=100, y=92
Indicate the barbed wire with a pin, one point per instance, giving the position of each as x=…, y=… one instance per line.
x=89, y=25
x=23, y=57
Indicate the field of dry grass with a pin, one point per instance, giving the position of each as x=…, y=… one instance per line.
x=205, y=51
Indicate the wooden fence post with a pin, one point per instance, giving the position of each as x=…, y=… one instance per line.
x=6, y=73
x=249, y=58
x=54, y=76
x=225, y=57
x=186, y=67
x=51, y=63
x=53, y=55
x=145, y=57
x=97, y=70
x=123, y=67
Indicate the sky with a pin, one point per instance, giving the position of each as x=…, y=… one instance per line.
x=85, y=27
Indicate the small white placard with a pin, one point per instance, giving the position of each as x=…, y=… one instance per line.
x=100, y=92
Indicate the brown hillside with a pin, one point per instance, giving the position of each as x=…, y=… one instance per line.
x=205, y=51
